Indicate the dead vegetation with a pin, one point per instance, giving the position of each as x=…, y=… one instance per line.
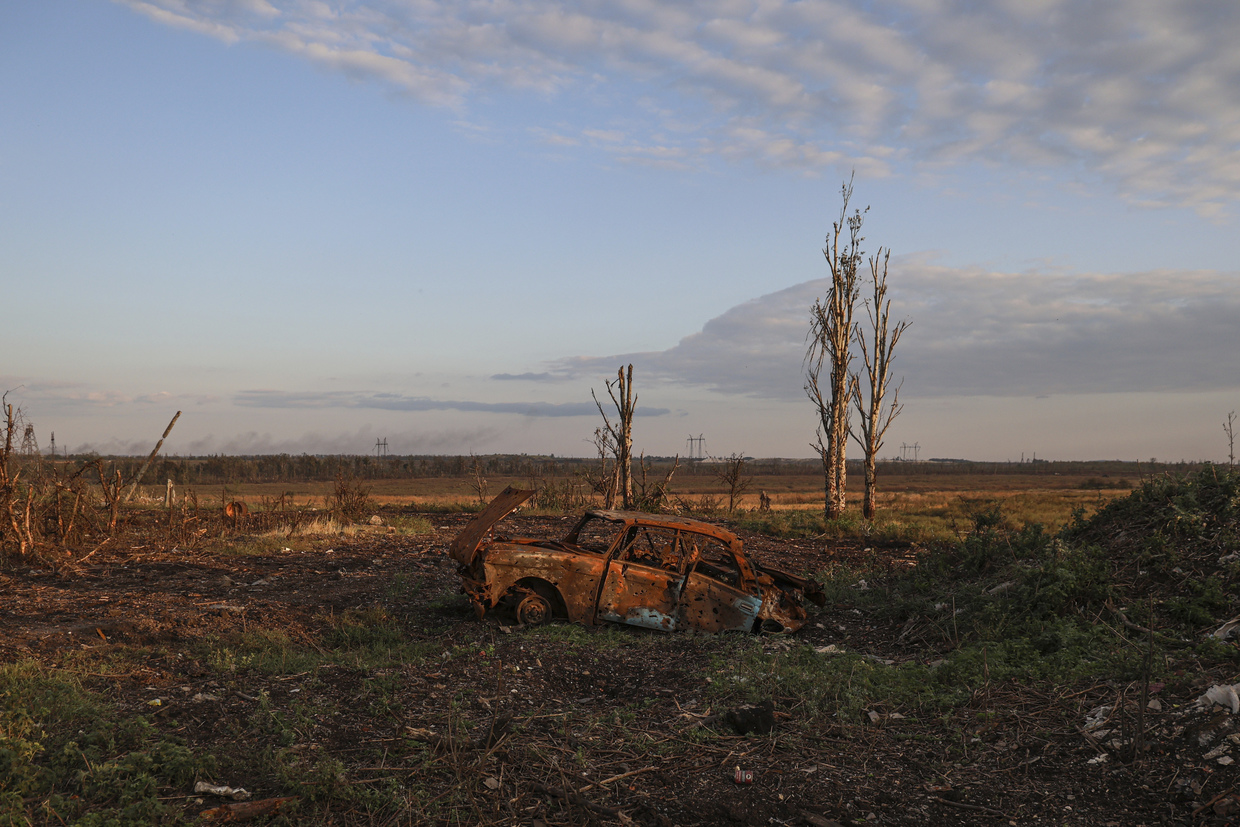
x=1069, y=678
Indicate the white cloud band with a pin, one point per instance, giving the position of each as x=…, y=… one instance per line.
x=1147, y=93
x=976, y=332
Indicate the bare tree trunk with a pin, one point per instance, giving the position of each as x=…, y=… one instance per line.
x=1229, y=428
x=134, y=486
x=8, y=483
x=869, y=504
x=620, y=434
x=830, y=337
x=877, y=353
x=732, y=474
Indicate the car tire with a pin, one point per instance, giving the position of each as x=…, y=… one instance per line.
x=533, y=610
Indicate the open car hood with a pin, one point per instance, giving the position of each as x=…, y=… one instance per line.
x=466, y=544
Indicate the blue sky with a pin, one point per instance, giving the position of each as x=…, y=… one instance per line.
x=311, y=224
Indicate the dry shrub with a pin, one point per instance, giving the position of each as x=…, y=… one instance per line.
x=561, y=495
x=349, y=501
x=44, y=508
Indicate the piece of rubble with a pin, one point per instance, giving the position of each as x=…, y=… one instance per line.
x=1221, y=749
x=758, y=719
x=1224, y=696
x=235, y=793
x=1227, y=806
x=1228, y=630
x=1097, y=717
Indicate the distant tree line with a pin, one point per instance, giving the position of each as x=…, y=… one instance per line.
x=291, y=468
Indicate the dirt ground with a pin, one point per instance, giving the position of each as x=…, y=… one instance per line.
x=572, y=726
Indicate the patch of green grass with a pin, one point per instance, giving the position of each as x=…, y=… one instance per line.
x=603, y=637
x=264, y=650
x=67, y=756
x=787, y=524
x=368, y=628
x=455, y=507
x=358, y=639
x=821, y=686
x=409, y=525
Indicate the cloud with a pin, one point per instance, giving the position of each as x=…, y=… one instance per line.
x=360, y=441
x=530, y=377
x=1145, y=94
x=57, y=396
x=976, y=332
x=399, y=402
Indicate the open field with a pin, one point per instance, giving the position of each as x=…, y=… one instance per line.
x=919, y=507
x=998, y=675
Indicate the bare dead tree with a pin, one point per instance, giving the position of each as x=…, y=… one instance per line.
x=603, y=480
x=113, y=494
x=830, y=339
x=877, y=346
x=10, y=492
x=620, y=433
x=652, y=496
x=479, y=482
x=731, y=472
x=1230, y=429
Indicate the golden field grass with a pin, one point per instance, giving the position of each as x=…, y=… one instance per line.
x=916, y=506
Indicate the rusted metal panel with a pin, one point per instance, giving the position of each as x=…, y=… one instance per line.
x=713, y=606
x=575, y=576
x=666, y=521
x=466, y=543
x=640, y=596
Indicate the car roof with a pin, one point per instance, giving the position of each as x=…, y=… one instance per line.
x=663, y=521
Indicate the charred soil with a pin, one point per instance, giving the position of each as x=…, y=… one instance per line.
x=355, y=679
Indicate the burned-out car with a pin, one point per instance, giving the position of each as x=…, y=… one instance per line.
x=651, y=570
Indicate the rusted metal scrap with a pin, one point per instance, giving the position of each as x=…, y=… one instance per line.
x=651, y=570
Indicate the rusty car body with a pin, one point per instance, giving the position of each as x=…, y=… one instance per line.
x=650, y=570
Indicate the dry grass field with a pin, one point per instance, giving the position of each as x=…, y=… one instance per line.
x=916, y=506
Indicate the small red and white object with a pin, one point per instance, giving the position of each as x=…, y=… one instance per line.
x=743, y=776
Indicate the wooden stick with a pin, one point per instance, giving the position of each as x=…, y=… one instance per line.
x=134, y=486
x=976, y=807
x=1212, y=802
x=573, y=798
x=245, y=810
x=606, y=781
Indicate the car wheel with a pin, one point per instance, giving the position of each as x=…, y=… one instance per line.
x=533, y=610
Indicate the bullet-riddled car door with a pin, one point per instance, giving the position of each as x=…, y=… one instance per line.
x=644, y=579
x=716, y=597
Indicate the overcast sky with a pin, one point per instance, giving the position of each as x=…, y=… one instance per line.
x=311, y=225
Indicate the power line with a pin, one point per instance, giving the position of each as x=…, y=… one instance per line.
x=699, y=443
